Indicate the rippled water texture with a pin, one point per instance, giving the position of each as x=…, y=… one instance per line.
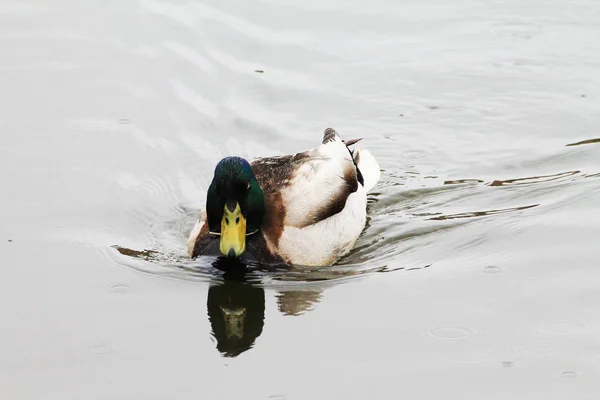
x=477, y=276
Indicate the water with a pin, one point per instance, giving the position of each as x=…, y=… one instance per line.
x=477, y=276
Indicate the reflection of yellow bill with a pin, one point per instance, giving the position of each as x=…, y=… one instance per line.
x=234, y=321
x=233, y=232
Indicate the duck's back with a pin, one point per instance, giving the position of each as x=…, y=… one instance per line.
x=315, y=200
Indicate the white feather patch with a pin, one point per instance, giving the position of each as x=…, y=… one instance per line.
x=327, y=240
x=368, y=167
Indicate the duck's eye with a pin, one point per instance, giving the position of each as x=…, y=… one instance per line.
x=226, y=221
x=237, y=220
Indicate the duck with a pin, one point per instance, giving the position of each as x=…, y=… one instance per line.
x=303, y=209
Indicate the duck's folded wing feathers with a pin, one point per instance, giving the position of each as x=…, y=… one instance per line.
x=313, y=185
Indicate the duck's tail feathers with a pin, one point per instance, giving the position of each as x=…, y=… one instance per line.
x=364, y=161
x=367, y=166
x=330, y=135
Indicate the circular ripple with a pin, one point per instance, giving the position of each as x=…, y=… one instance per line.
x=491, y=269
x=414, y=154
x=100, y=349
x=516, y=29
x=561, y=328
x=120, y=288
x=569, y=374
x=451, y=333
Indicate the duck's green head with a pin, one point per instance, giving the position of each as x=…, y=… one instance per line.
x=235, y=204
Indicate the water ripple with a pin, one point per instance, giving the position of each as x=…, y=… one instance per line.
x=533, y=179
x=191, y=55
x=194, y=99
x=451, y=333
x=561, y=328
x=589, y=141
x=193, y=14
x=474, y=214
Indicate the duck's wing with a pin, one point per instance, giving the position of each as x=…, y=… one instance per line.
x=308, y=187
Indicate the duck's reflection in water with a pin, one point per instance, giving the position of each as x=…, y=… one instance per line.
x=236, y=309
x=236, y=298
x=297, y=302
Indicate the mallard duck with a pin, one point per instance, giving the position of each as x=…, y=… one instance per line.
x=304, y=209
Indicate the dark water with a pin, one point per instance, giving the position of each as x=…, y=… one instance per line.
x=478, y=273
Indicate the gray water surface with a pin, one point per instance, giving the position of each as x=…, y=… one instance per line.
x=477, y=277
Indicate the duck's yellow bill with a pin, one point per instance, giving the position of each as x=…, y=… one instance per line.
x=233, y=232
